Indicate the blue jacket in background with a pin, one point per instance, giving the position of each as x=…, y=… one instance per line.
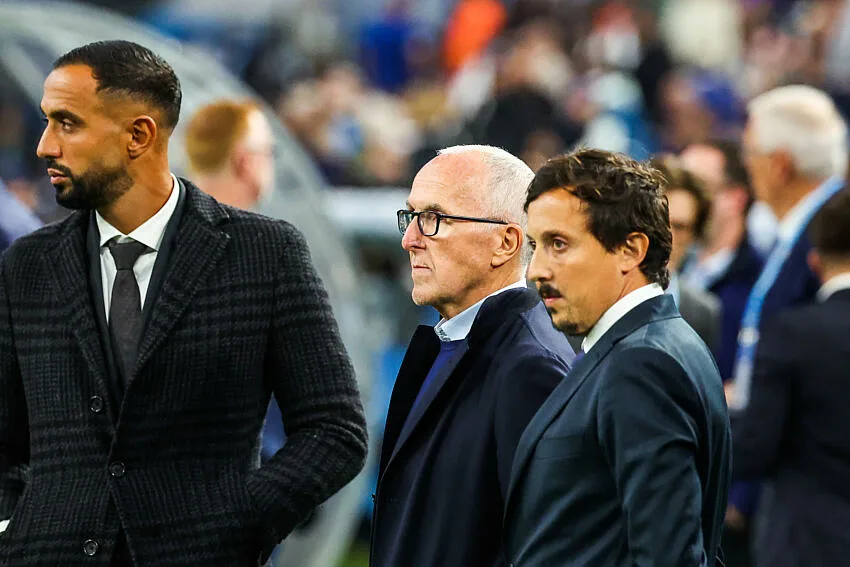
x=16, y=219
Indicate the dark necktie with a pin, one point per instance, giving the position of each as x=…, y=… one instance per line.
x=125, y=307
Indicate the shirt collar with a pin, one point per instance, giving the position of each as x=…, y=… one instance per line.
x=457, y=328
x=834, y=285
x=618, y=311
x=790, y=224
x=151, y=231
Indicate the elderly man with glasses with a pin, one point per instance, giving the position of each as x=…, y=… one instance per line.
x=467, y=387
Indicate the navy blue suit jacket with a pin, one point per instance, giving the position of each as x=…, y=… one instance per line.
x=444, y=473
x=796, y=433
x=733, y=290
x=796, y=284
x=628, y=461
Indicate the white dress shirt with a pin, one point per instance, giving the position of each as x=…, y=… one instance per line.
x=618, y=311
x=833, y=285
x=458, y=327
x=789, y=226
x=150, y=233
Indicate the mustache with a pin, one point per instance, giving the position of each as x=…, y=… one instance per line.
x=61, y=168
x=545, y=290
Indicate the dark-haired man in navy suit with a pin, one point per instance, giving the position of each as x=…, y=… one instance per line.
x=628, y=461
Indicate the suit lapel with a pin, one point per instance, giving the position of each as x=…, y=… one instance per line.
x=428, y=396
x=198, y=245
x=68, y=265
x=166, y=250
x=418, y=358
x=551, y=408
x=655, y=309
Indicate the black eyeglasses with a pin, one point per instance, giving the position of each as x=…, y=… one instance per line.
x=429, y=221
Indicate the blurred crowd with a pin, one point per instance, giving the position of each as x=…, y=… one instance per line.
x=372, y=101
x=371, y=93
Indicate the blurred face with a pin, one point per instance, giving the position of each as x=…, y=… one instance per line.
x=756, y=163
x=576, y=276
x=257, y=157
x=687, y=119
x=769, y=171
x=728, y=202
x=82, y=141
x=683, y=216
x=453, y=269
x=707, y=163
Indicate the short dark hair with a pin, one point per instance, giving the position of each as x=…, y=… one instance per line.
x=829, y=230
x=677, y=177
x=124, y=67
x=622, y=196
x=734, y=170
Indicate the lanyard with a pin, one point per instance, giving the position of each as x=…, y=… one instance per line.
x=748, y=337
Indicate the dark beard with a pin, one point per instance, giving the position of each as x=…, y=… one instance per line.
x=568, y=327
x=97, y=188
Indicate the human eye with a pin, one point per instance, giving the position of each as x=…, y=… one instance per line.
x=559, y=244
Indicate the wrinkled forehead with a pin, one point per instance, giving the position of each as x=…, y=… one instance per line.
x=451, y=184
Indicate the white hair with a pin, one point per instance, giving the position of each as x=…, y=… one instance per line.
x=803, y=121
x=508, y=178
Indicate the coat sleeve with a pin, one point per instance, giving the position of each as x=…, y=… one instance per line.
x=648, y=435
x=524, y=385
x=313, y=382
x=14, y=433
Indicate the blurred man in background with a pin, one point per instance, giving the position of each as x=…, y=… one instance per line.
x=795, y=151
x=728, y=265
x=231, y=152
x=467, y=387
x=724, y=263
x=689, y=207
x=796, y=430
x=16, y=219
